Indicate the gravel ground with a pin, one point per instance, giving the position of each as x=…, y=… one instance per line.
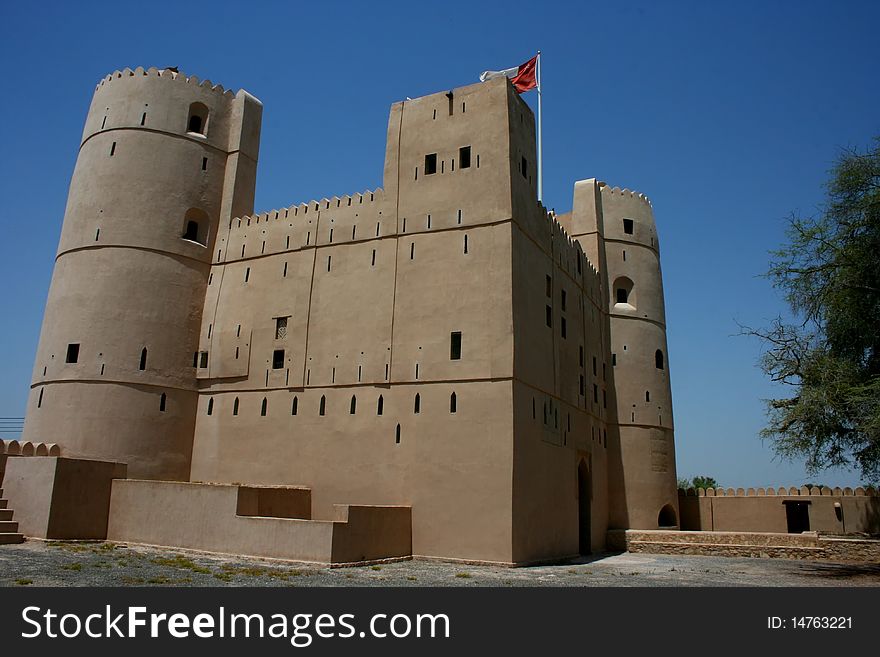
x=57, y=563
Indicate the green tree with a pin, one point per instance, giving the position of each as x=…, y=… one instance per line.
x=699, y=481
x=829, y=354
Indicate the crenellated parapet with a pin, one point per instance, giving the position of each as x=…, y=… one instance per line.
x=624, y=193
x=770, y=491
x=168, y=74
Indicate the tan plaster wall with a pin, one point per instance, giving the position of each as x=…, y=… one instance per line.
x=162, y=513
x=444, y=463
x=766, y=513
x=61, y=498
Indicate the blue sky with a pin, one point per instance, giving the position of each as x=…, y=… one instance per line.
x=728, y=116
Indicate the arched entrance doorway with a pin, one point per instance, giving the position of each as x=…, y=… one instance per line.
x=585, y=498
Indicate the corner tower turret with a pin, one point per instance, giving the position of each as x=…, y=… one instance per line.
x=617, y=231
x=163, y=160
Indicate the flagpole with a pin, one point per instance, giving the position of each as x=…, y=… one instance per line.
x=540, y=143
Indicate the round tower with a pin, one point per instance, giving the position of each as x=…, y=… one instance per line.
x=643, y=492
x=163, y=160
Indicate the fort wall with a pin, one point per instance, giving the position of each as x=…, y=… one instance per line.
x=834, y=511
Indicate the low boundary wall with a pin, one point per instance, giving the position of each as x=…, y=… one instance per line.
x=809, y=545
x=833, y=511
x=209, y=517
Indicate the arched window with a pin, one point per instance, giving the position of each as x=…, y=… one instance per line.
x=197, y=122
x=397, y=435
x=353, y=406
x=143, y=364
x=380, y=405
x=263, y=407
x=235, y=407
x=658, y=359
x=195, y=226
x=211, y=406
x=623, y=291
x=293, y=405
x=323, y=407
x=453, y=403
x=162, y=400
x=417, y=404
x=666, y=517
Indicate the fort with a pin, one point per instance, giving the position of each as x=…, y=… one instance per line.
x=438, y=368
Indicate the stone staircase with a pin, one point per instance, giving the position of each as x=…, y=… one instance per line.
x=8, y=527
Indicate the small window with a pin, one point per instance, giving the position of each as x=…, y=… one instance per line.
x=549, y=285
x=524, y=168
x=210, y=406
x=613, y=360
x=647, y=395
x=453, y=403
x=658, y=359
x=264, y=407
x=143, y=364
x=235, y=407
x=417, y=404
x=192, y=231
x=352, y=408
x=455, y=345
x=464, y=157
x=380, y=405
x=280, y=327
x=293, y=405
x=622, y=295
x=397, y=435
x=195, y=226
x=549, y=317
x=322, y=409
x=197, y=122
x=278, y=359
x=203, y=359
x=430, y=164
x=628, y=226
x=562, y=327
x=162, y=401
x=72, y=352
x=562, y=299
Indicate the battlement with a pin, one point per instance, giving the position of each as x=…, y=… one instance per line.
x=167, y=74
x=625, y=193
x=301, y=209
x=803, y=491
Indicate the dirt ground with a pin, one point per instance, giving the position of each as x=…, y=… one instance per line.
x=55, y=563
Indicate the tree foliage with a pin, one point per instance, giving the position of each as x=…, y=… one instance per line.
x=829, y=273
x=699, y=481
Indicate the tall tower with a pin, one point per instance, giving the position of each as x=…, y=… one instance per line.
x=164, y=159
x=643, y=495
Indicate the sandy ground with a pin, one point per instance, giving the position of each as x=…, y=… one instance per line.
x=38, y=563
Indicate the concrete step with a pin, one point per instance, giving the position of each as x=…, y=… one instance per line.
x=8, y=526
x=10, y=538
x=3, y=503
x=5, y=514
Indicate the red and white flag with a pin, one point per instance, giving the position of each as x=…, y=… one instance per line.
x=523, y=77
